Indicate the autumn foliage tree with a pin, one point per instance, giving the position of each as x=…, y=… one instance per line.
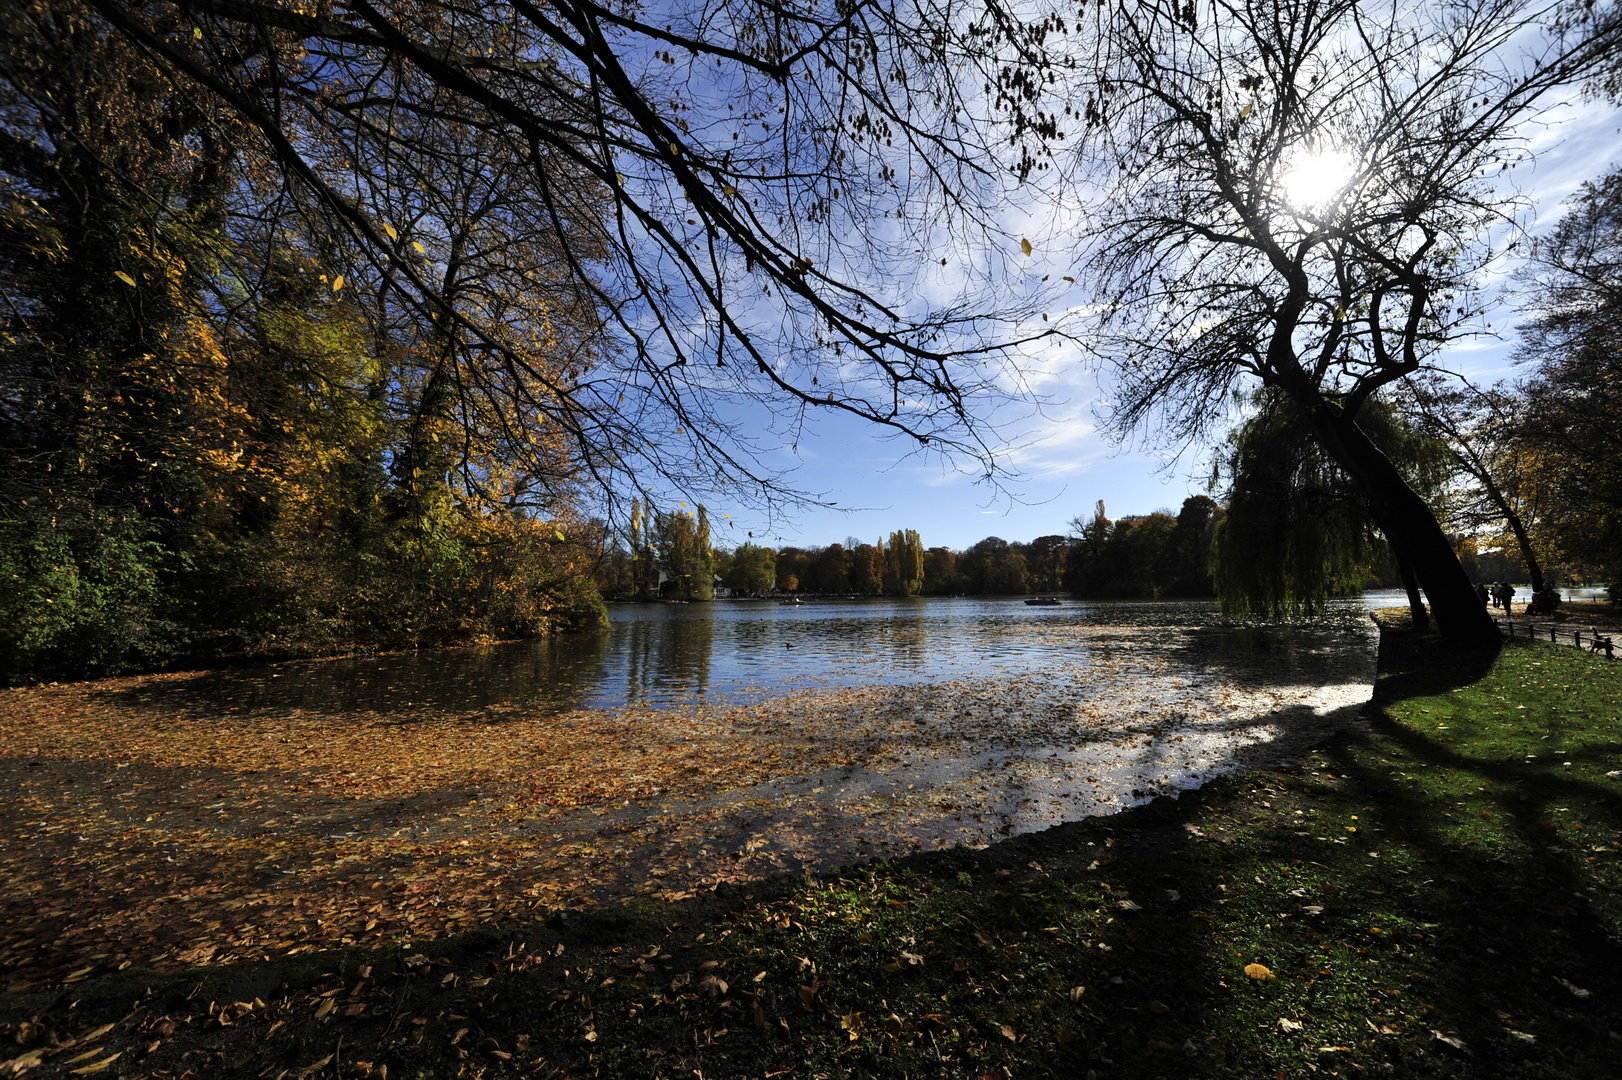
x=1569, y=414
x=216, y=440
x=740, y=191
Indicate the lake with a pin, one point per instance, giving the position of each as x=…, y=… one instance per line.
x=912, y=722
x=690, y=745
x=673, y=654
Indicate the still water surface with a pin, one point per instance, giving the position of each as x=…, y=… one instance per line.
x=670, y=654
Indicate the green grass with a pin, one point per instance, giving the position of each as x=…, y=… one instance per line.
x=1434, y=893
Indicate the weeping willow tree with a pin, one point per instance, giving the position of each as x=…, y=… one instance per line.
x=1298, y=530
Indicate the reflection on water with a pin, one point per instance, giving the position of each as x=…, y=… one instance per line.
x=667, y=654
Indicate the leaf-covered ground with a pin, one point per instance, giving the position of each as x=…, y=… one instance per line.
x=152, y=827
x=1432, y=892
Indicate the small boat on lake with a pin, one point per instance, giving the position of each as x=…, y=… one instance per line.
x=1043, y=601
x=792, y=600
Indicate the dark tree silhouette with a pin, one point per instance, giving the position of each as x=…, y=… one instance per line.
x=1299, y=195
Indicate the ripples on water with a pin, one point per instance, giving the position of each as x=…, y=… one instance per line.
x=670, y=654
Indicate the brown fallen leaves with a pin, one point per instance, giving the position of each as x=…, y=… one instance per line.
x=170, y=839
x=150, y=826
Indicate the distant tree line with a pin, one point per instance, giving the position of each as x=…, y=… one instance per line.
x=1158, y=554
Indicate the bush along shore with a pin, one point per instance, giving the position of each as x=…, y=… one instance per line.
x=1432, y=893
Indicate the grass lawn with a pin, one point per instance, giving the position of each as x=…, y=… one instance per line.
x=1432, y=893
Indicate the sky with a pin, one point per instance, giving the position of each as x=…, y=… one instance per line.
x=1061, y=463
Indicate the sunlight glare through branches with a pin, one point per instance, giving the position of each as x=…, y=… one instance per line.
x=1314, y=179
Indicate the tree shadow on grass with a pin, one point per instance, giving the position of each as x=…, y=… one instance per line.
x=1516, y=945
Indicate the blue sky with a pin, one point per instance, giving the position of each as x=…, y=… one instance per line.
x=1062, y=464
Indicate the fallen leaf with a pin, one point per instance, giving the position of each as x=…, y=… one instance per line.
x=1258, y=971
x=1457, y=1044
x=1286, y=1024
x=1576, y=991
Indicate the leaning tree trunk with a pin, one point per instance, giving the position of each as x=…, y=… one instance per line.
x=1519, y=529
x=1512, y=519
x=1415, y=536
x=1410, y=583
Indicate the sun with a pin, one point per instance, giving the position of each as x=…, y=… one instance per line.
x=1312, y=179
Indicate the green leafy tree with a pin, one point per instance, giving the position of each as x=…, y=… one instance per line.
x=793, y=568
x=904, y=563
x=1186, y=559
x=1047, y=558
x=753, y=570
x=940, y=572
x=867, y=563
x=1296, y=531
x=1084, y=573
x=993, y=566
x=681, y=544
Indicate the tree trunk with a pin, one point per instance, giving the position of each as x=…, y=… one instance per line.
x=1416, y=605
x=1513, y=520
x=1415, y=536
x=1532, y=567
